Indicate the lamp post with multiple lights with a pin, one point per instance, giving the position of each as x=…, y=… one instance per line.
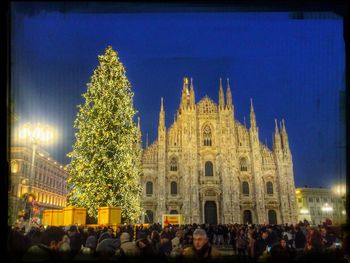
x=35, y=134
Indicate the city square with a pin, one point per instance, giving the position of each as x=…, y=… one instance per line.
x=176, y=136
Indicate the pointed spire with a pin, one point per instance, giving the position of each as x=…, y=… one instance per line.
x=161, y=104
x=283, y=126
x=185, y=94
x=280, y=126
x=245, y=125
x=251, y=105
x=192, y=95
x=138, y=123
x=146, y=139
x=228, y=95
x=276, y=127
x=221, y=96
x=277, y=138
x=252, y=115
x=285, y=141
x=161, y=115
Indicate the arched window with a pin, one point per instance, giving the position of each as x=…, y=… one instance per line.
x=207, y=136
x=269, y=188
x=247, y=217
x=149, y=217
x=173, y=188
x=149, y=188
x=272, y=217
x=244, y=164
x=173, y=164
x=173, y=212
x=245, y=188
x=208, y=168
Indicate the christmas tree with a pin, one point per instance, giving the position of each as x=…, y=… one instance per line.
x=106, y=161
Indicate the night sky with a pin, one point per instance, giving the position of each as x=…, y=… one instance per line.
x=292, y=69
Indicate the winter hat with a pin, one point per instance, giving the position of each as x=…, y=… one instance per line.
x=142, y=235
x=103, y=236
x=91, y=242
x=108, y=245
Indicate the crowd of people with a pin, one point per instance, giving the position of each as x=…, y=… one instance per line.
x=251, y=243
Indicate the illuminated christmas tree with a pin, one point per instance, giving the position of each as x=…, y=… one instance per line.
x=105, y=160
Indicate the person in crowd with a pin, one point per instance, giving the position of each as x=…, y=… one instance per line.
x=155, y=241
x=88, y=252
x=327, y=237
x=48, y=248
x=261, y=244
x=251, y=241
x=282, y=252
x=201, y=248
x=273, y=238
x=34, y=235
x=314, y=245
x=145, y=245
x=177, y=244
x=118, y=232
x=76, y=240
x=106, y=249
x=127, y=247
x=65, y=248
x=241, y=243
x=17, y=244
x=220, y=235
x=165, y=247
x=299, y=239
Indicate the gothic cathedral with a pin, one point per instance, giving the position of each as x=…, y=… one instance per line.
x=212, y=169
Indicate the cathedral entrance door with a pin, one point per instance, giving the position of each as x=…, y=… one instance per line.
x=210, y=212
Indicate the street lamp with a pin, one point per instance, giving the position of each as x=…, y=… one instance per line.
x=327, y=208
x=35, y=134
x=304, y=211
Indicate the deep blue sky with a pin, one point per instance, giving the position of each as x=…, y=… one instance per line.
x=293, y=69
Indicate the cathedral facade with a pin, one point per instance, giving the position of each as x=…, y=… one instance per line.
x=210, y=168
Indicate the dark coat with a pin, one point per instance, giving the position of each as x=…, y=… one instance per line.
x=300, y=239
x=280, y=254
x=260, y=247
x=41, y=252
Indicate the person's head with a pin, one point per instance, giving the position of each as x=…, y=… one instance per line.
x=72, y=230
x=110, y=231
x=155, y=235
x=124, y=237
x=166, y=229
x=283, y=243
x=91, y=242
x=199, y=238
x=53, y=237
x=264, y=234
x=323, y=231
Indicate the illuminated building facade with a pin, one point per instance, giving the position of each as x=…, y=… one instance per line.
x=212, y=169
x=318, y=204
x=48, y=182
